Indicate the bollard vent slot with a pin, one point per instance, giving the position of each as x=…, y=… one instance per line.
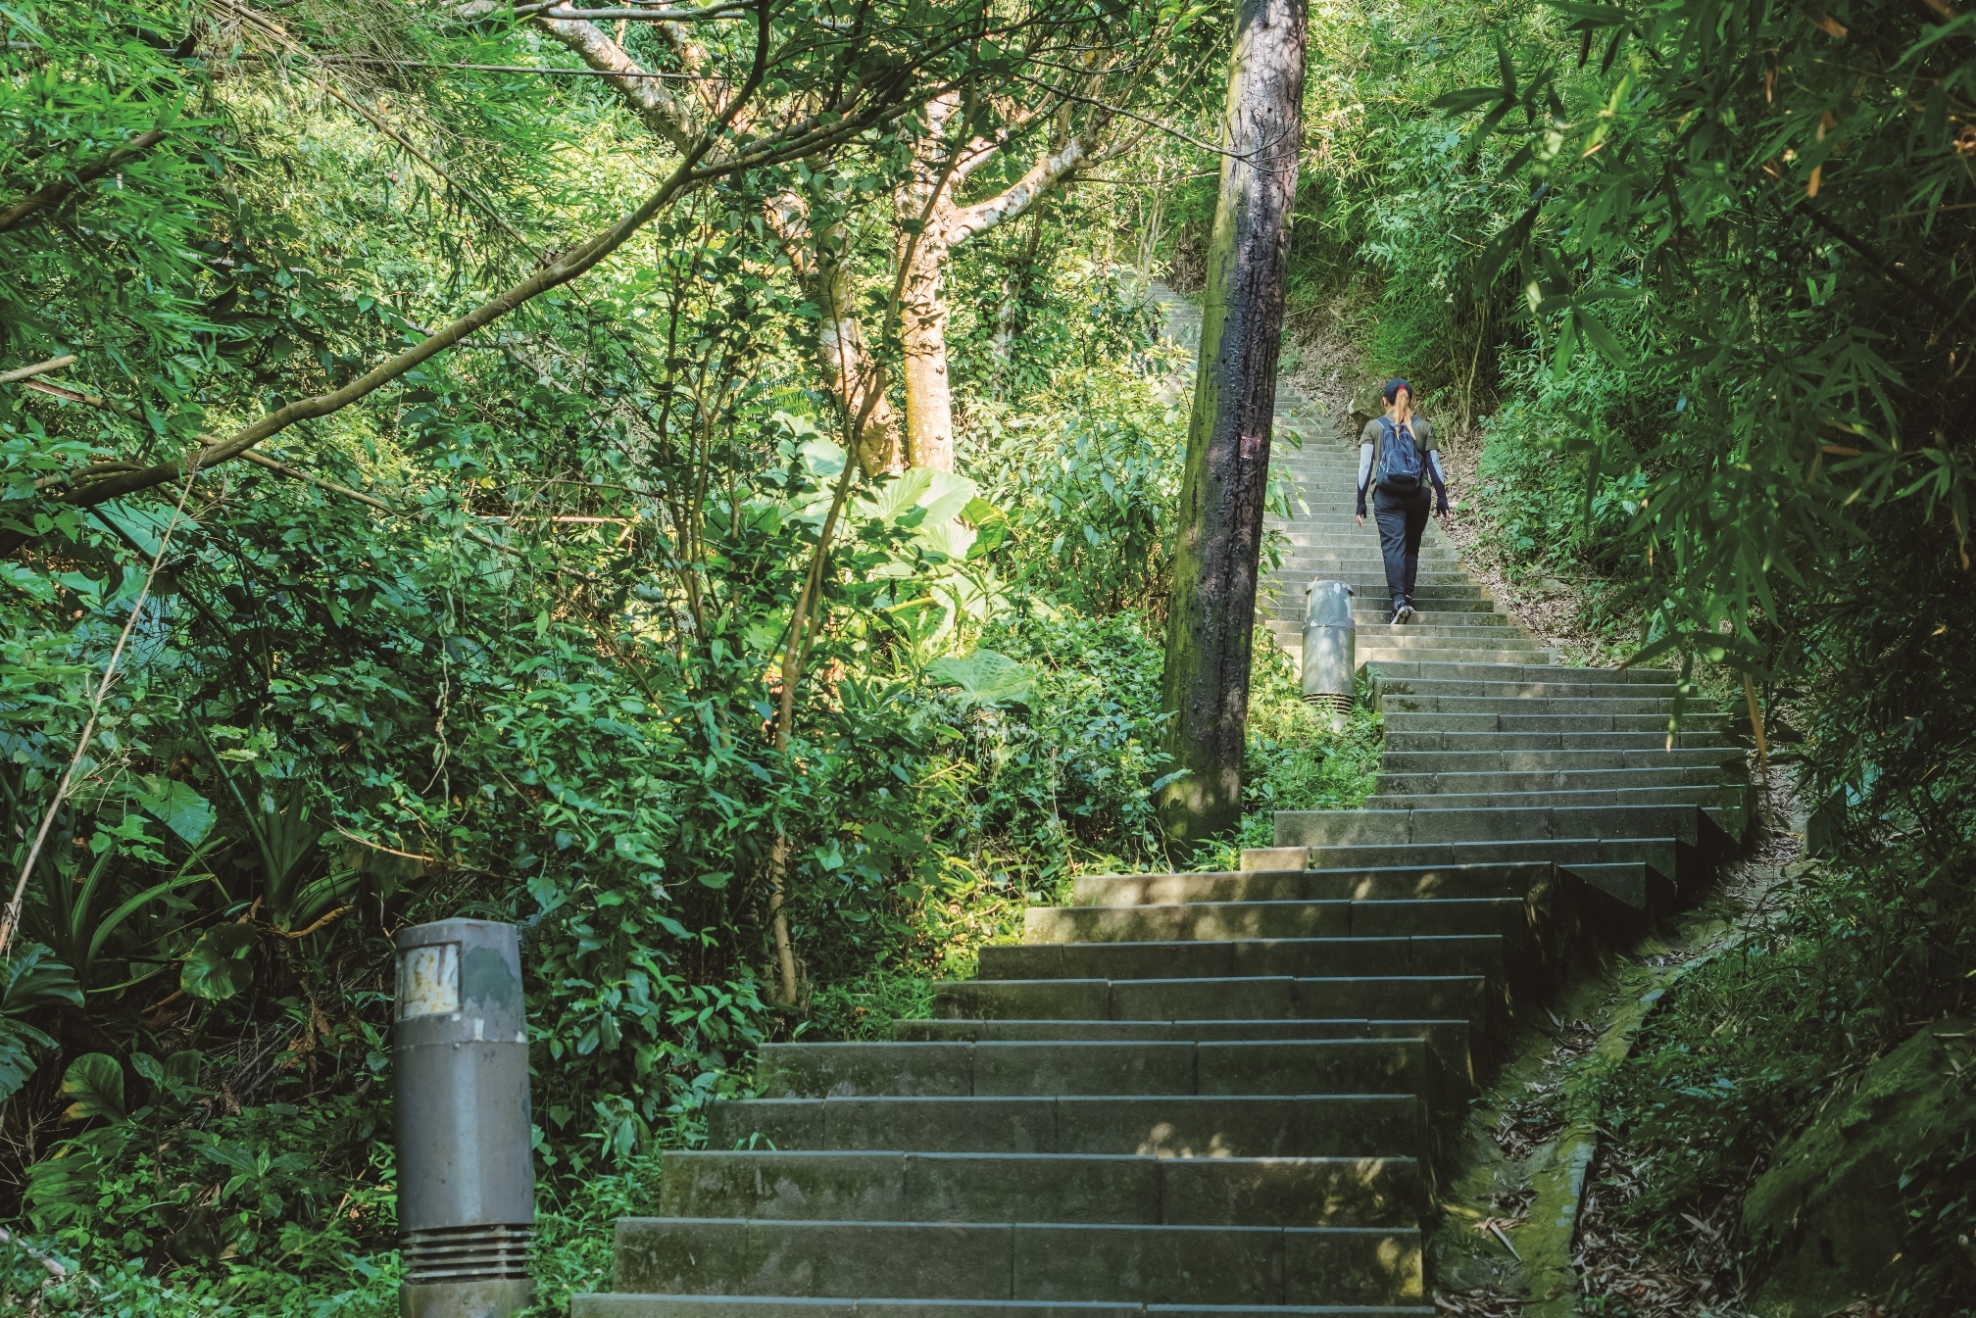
x=466, y=1253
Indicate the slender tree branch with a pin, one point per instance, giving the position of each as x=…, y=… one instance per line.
x=39, y=368
x=480, y=203
x=544, y=70
x=11, y=917
x=488, y=10
x=1168, y=129
x=53, y=194
x=632, y=15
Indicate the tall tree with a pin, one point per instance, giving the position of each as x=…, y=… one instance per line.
x=927, y=203
x=1211, y=616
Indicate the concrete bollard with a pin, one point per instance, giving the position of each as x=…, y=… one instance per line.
x=466, y=1172
x=1330, y=644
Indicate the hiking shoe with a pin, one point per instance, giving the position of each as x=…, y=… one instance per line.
x=1403, y=612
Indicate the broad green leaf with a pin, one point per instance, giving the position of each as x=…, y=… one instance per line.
x=987, y=678
x=175, y=805
x=216, y=968
x=94, y=1086
x=32, y=977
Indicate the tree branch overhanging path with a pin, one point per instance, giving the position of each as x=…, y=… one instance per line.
x=732, y=137
x=932, y=221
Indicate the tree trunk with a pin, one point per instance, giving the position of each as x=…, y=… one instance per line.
x=821, y=259
x=848, y=371
x=1211, y=616
x=923, y=337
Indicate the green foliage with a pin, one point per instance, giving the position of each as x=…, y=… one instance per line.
x=1747, y=1045
x=1299, y=758
x=31, y=982
x=1089, y=472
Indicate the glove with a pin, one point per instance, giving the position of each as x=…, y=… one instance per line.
x=1441, y=505
x=1361, y=503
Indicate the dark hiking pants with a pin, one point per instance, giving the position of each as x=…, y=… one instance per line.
x=1401, y=519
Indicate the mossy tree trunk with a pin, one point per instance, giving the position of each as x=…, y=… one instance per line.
x=1211, y=617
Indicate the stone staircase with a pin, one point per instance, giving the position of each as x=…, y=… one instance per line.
x=1220, y=1095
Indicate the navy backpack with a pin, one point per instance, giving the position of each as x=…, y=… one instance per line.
x=1399, y=459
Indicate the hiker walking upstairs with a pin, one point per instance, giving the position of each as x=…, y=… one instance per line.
x=1397, y=459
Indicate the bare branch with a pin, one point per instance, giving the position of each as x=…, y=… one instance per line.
x=1124, y=113
x=656, y=108
x=1019, y=196
x=630, y=15
x=39, y=368
x=547, y=71
x=283, y=469
x=556, y=9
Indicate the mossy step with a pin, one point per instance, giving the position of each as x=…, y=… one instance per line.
x=1466, y=953
x=1164, y=1125
x=1421, y=736
x=1022, y=1260
x=756, y=1306
x=1271, y=997
x=1456, y=783
x=1301, y=885
x=1007, y=1187
x=1451, y=764
x=1065, y=1067
x=1332, y=919
x=1325, y=828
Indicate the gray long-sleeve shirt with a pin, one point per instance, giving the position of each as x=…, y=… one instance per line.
x=1373, y=438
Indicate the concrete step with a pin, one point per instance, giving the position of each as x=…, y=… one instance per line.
x=1669, y=854
x=1460, y=613
x=769, y=1306
x=1647, y=704
x=1278, y=919
x=1011, y=1187
x=1407, y=722
x=1557, y=684
x=1407, y=672
x=1422, y=737
x=1655, y=759
x=1392, y=785
x=1469, y=950
x=1082, y=1067
x=1162, y=1125
x=1453, y=1042
x=1715, y=793
x=1374, y=656
x=1263, y=998
x=1217, y=1265
x=1307, y=885
x=1463, y=824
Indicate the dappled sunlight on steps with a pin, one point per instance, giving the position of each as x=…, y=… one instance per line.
x=1225, y=1093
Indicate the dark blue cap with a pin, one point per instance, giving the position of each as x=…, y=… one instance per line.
x=1393, y=387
